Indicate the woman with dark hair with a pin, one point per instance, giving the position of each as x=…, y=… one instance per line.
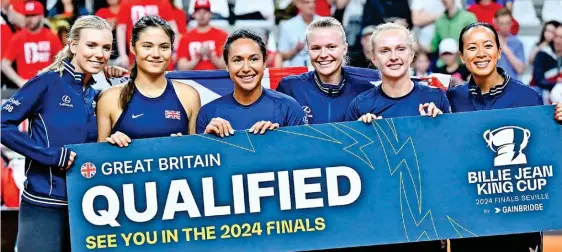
x=490, y=88
x=547, y=35
x=250, y=106
x=149, y=105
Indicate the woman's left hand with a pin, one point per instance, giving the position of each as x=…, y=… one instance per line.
x=263, y=126
x=558, y=112
x=115, y=72
x=429, y=109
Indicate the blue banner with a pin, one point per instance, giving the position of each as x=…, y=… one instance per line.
x=322, y=186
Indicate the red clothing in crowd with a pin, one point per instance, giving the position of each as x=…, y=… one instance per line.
x=106, y=14
x=192, y=41
x=181, y=20
x=323, y=8
x=485, y=13
x=32, y=52
x=6, y=34
x=132, y=11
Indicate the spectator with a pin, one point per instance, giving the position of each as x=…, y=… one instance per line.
x=32, y=48
x=548, y=62
x=201, y=47
x=505, y=3
x=547, y=34
x=512, y=59
x=397, y=11
x=13, y=14
x=485, y=10
x=7, y=30
x=323, y=7
x=349, y=13
x=180, y=18
x=424, y=15
x=181, y=21
x=373, y=13
x=421, y=65
x=363, y=58
x=110, y=13
x=292, y=34
x=448, y=53
x=130, y=12
x=67, y=9
x=450, y=24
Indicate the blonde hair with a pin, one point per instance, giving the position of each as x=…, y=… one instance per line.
x=392, y=26
x=83, y=22
x=326, y=22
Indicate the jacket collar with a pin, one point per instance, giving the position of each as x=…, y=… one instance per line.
x=330, y=90
x=78, y=77
x=494, y=91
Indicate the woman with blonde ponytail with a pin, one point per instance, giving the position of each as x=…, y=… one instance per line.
x=60, y=104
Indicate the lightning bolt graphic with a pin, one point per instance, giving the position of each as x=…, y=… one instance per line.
x=417, y=219
x=396, y=156
x=460, y=230
x=356, y=148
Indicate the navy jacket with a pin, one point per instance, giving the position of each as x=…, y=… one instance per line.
x=510, y=94
x=60, y=112
x=324, y=103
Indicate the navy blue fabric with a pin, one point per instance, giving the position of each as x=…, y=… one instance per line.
x=60, y=112
x=375, y=101
x=145, y=117
x=325, y=103
x=271, y=106
x=510, y=94
x=43, y=229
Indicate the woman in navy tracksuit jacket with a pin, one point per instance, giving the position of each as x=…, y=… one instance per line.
x=59, y=104
x=490, y=88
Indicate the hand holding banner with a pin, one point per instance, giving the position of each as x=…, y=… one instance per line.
x=322, y=186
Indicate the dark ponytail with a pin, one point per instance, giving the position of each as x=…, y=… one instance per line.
x=128, y=90
x=141, y=25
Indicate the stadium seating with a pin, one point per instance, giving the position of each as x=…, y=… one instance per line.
x=552, y=10
x=524, y=12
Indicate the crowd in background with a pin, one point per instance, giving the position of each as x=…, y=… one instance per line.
x=32, y=34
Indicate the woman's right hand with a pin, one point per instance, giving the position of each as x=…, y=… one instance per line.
x=219, y=127
x=70, y=161
x=119, y=138
x=368, y=118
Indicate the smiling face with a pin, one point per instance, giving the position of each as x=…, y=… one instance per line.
x=480, y=51
x=153, y=50
x=92, y=50
x=245, y=64
x=326, y=48
x=392, y=53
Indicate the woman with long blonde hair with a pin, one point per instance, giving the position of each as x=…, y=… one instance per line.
x=60, y=105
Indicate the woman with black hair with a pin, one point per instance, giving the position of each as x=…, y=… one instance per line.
x=250, y=106
x=490, y=88
x=547, y=35
x=149, y=105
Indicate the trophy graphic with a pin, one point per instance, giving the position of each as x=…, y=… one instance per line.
x=508, y=142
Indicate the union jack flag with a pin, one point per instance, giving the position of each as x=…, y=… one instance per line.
x=172, y=114
x=88, y=170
